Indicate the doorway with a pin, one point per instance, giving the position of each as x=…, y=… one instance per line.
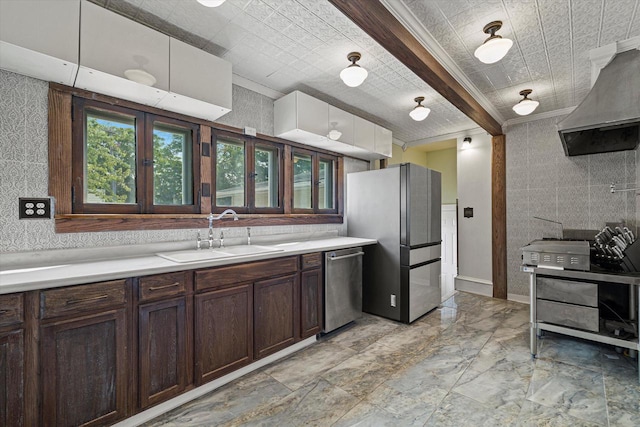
x=449, y=251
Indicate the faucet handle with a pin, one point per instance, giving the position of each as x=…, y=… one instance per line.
x=198, y=241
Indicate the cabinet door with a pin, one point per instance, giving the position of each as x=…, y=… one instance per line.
x=84, y=370
x=311, y=309
x=164, y=354
x=11, y=378
x=223, y=331
x=276, y=319
x=364, y=134
x=383, y=141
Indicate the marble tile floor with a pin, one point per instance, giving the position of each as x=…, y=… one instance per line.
x=466, y=363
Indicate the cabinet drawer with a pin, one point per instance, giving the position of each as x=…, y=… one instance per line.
x=163, y=285
x=244, y=273
x=11, y=309
x=574, y=316
x=58, y=302
x=567, y=291
x=311, y=260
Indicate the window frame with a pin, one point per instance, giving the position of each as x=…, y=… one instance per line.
x=250, y=145
x=315, y=182
x=144, y=174
x=60, y=155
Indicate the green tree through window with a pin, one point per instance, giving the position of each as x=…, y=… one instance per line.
x=111, y=161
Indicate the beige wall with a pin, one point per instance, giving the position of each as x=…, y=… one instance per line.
x=412, y=155
x=445, y=162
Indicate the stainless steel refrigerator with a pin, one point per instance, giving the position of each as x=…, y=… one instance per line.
x=400, y=207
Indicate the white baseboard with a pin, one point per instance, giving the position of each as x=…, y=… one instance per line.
x=160, y=409
x=474, y=285
x=519, y=298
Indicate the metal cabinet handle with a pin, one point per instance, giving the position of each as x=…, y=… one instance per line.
x=157, y=288
x=336, y=258
x=81, y=300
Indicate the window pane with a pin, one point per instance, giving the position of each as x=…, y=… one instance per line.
x=325, y=185
x=230, y=174
x=302, y=181
x=110, y=159
x=266, y=177
x=172, y=166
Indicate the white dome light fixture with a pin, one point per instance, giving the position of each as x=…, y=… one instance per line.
x=211, y=3
x=140, y=76
x=334, y=134
x=526, y=105
x=354, y=74
x=419, y=112
x=495, y=47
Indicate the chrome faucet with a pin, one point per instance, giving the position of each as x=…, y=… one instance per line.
x=212, y=218
x=248, y=236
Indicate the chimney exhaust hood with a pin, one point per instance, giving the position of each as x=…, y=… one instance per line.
x=608, y=119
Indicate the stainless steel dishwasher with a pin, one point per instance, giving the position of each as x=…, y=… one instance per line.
x=342, y=287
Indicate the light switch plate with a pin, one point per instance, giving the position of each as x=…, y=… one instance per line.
x=35, y=208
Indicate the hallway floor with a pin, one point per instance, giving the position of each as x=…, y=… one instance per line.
x=464, y=364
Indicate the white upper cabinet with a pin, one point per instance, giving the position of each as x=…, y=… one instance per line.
x=364, y=134
x=302, y=118
x=342, y=122
x=110, y=45
x=307, y=120
x=40, y=38
x=199, y=83
x=383, y=140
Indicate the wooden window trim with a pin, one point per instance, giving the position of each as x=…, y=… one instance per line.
x=144, y=173
x=315, y=172
x=61, y=176
x=250, y=144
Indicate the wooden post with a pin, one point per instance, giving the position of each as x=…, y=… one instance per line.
x=499, y=216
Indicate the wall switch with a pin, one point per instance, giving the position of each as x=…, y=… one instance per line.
x=35, y=208
x=393, y=300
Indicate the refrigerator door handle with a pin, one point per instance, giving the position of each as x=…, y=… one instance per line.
x=336, y=258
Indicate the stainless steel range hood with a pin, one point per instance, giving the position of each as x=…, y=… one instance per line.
x=609, y=117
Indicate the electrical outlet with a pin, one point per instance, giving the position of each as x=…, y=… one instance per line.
x=393, y=300
x=35, y=208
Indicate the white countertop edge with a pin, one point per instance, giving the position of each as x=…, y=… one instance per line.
x=29, y=279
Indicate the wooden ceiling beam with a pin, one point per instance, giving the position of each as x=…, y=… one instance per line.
x=380, y=24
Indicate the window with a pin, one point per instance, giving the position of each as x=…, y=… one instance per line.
x=128, y=161
x=314, y=182
x=249, y=175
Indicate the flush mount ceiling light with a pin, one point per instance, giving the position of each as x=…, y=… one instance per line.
x=419, y=112
x=334, y=134
x=211, y=3
x=526, y=105
x=140, y=76
x=495, y=47
x=354, y=74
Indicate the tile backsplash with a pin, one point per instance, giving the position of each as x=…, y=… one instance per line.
x=24, y=171
x=543, y=182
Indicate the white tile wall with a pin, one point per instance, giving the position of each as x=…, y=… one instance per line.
x=542, y=181
x=23, y=171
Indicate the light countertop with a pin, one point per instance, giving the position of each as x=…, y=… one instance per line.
x=65, y=274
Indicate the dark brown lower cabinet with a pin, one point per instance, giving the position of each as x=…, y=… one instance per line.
x=12, y=378
x=311, y=308
x=163, y=353
x=84, y=370
x=276, y=319
x=223, y=331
